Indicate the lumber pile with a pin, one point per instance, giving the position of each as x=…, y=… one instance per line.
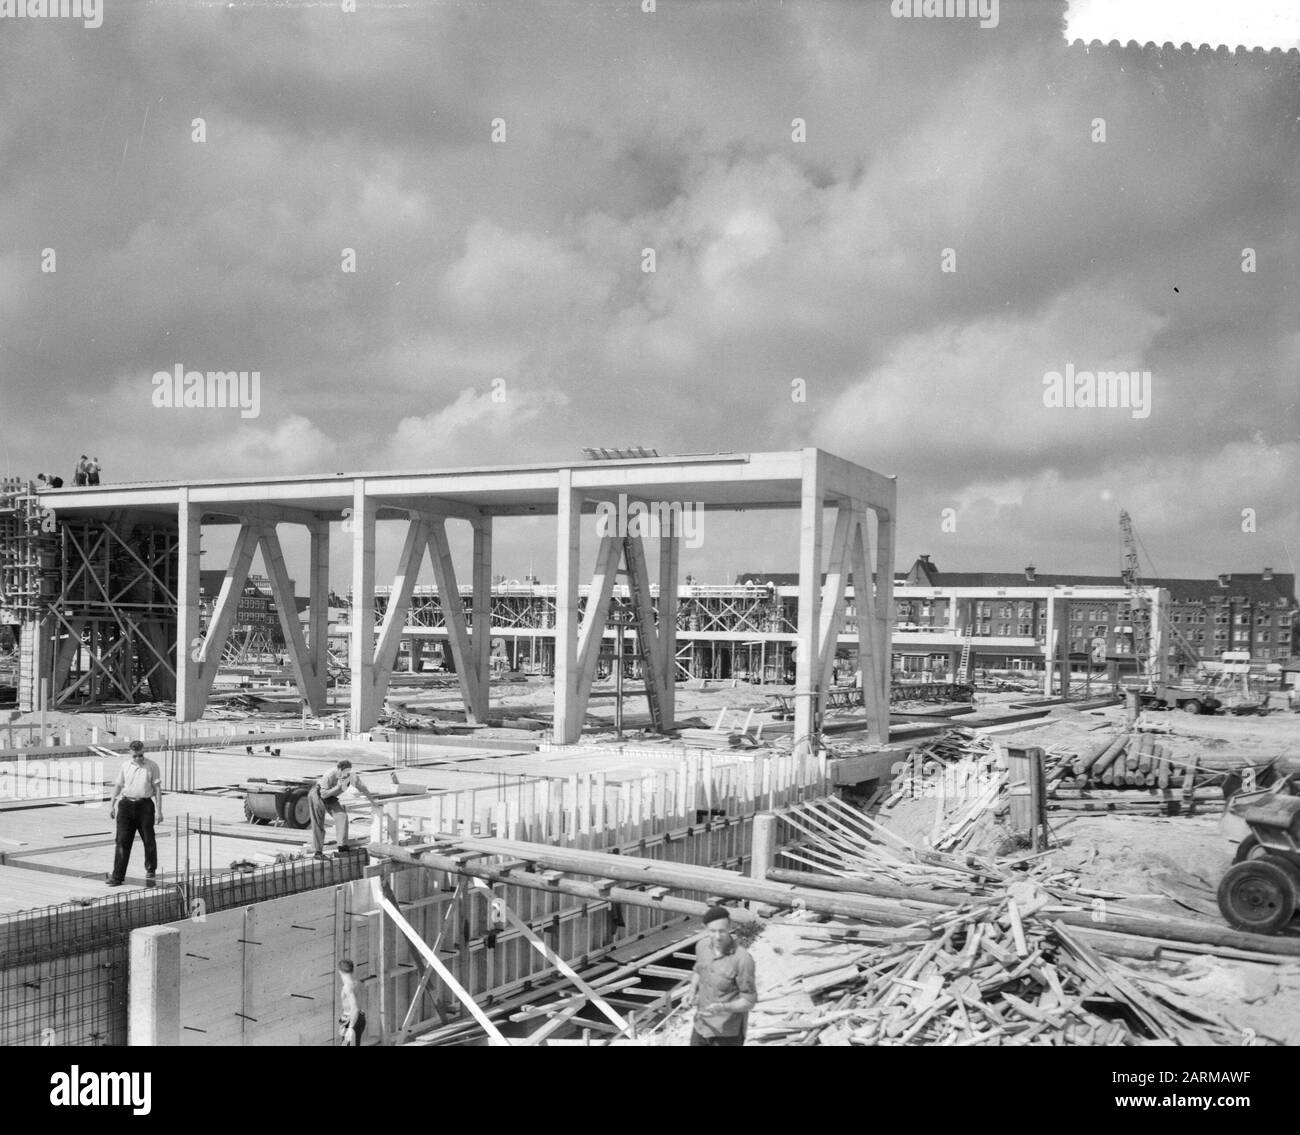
x=1008, y=951
x=1000, y=973
x=1104, y=775
x=962, y=773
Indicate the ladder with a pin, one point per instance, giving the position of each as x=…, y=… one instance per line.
x=963, y=667
x=635, y=584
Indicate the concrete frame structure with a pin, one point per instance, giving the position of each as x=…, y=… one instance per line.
x=809, y=480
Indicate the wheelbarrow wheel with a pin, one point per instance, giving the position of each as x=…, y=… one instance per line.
x=1258, y=895
x=1249, y=848
x=297, y=810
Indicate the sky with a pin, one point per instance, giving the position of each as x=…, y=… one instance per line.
x=873, y=234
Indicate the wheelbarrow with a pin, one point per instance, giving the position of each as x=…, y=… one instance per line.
x=1261, y=890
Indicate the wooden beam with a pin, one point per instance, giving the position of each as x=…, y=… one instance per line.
x=552, y=882
x=558, y=962
x=495, y=1036
x=681, y=877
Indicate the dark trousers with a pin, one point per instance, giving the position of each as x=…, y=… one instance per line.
x=698, y=1041
x=134, y=816
x=357, y=1030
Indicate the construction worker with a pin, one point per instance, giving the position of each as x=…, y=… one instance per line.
x=352, y=1020
x=79, y=474
x=324, y=798
x=136, y=804
x=722, y=987
x=92, y=471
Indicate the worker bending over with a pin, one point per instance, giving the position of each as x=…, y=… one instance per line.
x=324, y=798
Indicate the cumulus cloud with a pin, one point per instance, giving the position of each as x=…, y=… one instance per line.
x=477, y=428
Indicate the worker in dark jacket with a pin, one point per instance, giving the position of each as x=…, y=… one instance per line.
x=722, y=986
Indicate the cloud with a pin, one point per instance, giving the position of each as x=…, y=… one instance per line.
x=475, y=429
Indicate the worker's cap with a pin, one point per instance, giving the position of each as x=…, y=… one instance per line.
x=717, y=914
x=137, y=746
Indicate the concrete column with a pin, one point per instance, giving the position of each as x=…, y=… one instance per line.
x=318, y=614
x=154, y=984
x=189, y=688
x=1159, y=661
x=763, y=848
x=1051, y=651
x=669, y=557
x=361, y=649
x=568, y=543
x=415, y=659
x=881, y=624
x=806, y=691
x=481, y=636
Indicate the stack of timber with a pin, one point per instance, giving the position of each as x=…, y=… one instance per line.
x=962, y=773
x=1008, y=951
x=1104, y=775
x=995, y=974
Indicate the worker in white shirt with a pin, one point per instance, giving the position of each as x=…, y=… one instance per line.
x=136, y=804
x=323, y=799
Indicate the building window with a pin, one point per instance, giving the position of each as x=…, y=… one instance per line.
x=1265, y=652
x=1026, y=629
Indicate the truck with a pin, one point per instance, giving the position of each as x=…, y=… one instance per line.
x=1166, y=696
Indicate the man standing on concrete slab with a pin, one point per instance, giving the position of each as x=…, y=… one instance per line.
x=136, y=804
x=324, y=798
x=352, y=1020
x=722, y=987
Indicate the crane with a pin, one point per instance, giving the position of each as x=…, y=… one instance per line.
x=1131, y=576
